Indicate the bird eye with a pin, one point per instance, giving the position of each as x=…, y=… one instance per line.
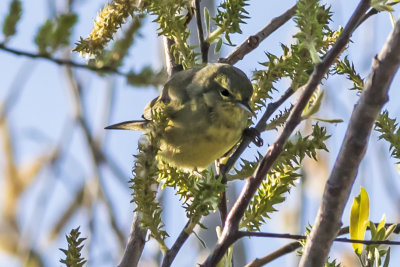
x=224, y=92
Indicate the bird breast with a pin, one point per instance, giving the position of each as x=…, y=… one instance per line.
x=196, y=144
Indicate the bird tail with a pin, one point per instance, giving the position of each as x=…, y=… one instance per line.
x=139, y=125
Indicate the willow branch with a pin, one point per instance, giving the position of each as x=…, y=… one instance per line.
x=171, y=66
x=183, y=236
x=286, y=249
x=135, y=245
x=204, y=46
x=62, y=62
x=304, y=237
x=253, y=41
x=232, y=224
x=339, y=184
x=295, y=245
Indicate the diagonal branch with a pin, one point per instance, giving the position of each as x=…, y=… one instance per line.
x=288, y=248
x=135, y=245
x=231, y=227
x=183, y=236
x=339, y=184
x=253, y=41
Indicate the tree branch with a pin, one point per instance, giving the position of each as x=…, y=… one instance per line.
x=204, y=46
x=232, y=224
x=295, y=245
x=304, y=237
x=63, y=62
x=258, y=262
x=172, y=66
x=222, y=206
x=135, y=245
x=183, y=236
x=253, y=41
x=338, y=186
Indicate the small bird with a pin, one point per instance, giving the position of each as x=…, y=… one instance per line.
x=208, y=110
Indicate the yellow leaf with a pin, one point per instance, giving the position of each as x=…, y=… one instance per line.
x=359, y=218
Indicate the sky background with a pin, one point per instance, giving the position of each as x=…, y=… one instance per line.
x=41, y=118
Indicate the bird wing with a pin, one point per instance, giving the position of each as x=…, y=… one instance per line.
x=174, y=94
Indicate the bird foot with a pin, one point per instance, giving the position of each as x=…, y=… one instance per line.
x=254, y=135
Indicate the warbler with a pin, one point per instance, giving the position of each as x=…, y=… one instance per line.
x=208, y=110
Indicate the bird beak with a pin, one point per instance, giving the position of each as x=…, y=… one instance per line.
x=245, y=106
x=126, y=125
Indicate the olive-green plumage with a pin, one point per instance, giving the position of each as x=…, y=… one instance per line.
x=208, y=111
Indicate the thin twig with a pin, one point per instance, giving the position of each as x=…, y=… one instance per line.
x=286, y=249
x=258, y=262
x=339, y=184
x=236, y=213
x=172, y=66
x=222, y=206
x=370, y=13
x=304, y=237
x=204, y=46
x=253, y=41
x=64, y=62
x=183, y=236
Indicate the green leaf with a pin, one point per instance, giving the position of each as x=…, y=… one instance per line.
x=381, y=5
x=372, y=228
x=200, y=240
x=313, y=105
x=389, y=231
x=380, y=230
x=43, y=38
x=381, y=223
x=328, y=120
x=377, y=257
x=346, y=67
x=358, y=219
x=218, y=46
x=11, y=20
x=230, y=14
x=62, y=30
x=108, y=21
x=279, y=120
x=390, y=131
x=387, y=259
x=54, y=34
x=226, y=260
x=73, y=253
x=207, y=20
